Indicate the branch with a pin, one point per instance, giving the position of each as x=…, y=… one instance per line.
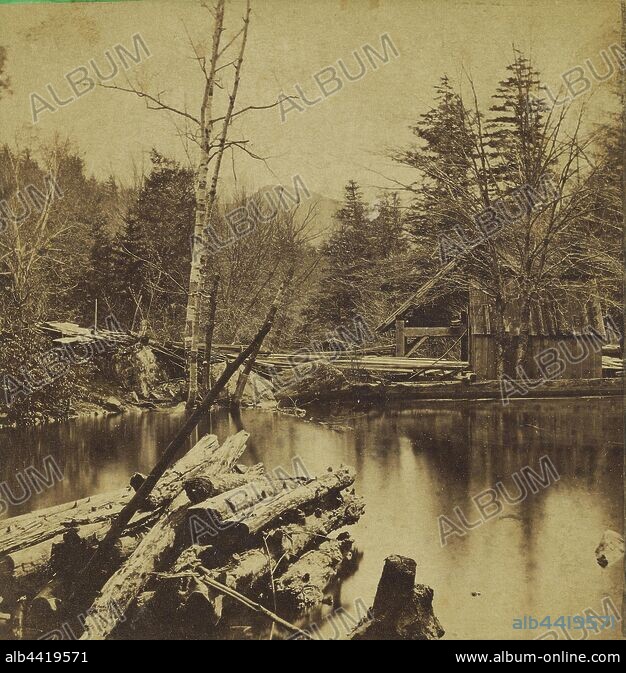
x=160, y=105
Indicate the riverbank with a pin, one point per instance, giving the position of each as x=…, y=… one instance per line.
x=98, y=398
x=457, y=390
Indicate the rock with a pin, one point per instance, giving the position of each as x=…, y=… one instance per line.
x=258, y=392
x=113, y=404
x=610, y=549
x=313, y=382
x=147, y=370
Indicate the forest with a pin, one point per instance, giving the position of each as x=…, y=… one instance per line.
x=514, y=194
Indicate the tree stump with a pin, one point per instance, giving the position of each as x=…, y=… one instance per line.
x=402, y=610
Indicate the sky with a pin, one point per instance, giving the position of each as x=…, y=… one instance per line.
x=347, y=135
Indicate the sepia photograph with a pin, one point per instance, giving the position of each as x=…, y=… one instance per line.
x=311, y=325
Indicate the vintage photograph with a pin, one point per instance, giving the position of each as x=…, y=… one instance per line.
x=311, y=324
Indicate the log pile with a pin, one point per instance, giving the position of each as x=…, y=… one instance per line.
x=214, y=544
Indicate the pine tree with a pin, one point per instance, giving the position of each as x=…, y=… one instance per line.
x=443, y=155
x=347, y=255
x=517, y=125
x=389, y=227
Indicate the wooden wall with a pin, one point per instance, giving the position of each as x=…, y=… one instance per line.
x=483, y=356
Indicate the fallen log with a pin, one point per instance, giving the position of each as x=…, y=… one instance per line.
x=207, y=518
x=202, y=488
x=236, y=532
x=289, y=542
x=67, y=558
x=31, y=529
x=28, y=530
x=402, y=610
x=128, y=582
x=23, y=572
x=303, y=584
x=249, y=572
x=191, y=464
x=246, y=571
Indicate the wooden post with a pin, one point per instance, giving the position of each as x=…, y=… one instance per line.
x=465, y=337
x=400, y=338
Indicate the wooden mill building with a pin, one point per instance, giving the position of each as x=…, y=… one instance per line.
x=558, y=321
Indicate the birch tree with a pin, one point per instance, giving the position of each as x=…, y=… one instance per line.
x=211, y=134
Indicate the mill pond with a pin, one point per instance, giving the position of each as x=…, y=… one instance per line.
x=417, y=468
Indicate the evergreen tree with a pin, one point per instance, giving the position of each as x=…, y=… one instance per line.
x=152, y=252
x=358, y=273
x=346, y=256
x=516, y=127
x=443, y=155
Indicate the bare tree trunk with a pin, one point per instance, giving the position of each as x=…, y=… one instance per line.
x=198, y=251
x=524, y=335
x=210, y=328
x=242, y=381
x=193, y=316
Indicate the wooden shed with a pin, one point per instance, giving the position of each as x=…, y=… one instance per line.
x=558, y=321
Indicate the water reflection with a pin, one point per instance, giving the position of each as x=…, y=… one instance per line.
x=413, y=465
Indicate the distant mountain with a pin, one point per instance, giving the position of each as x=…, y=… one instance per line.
x=320, y=211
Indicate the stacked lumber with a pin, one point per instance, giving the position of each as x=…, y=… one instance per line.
x=378, y=363
x=612, y=366
x=213, y=538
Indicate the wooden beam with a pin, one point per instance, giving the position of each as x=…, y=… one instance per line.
x=416, y=346
x=400, y=338
x=430, y=331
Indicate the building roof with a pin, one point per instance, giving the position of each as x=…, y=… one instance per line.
x=417, y=299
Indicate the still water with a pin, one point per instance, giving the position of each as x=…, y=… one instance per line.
x=414, y=465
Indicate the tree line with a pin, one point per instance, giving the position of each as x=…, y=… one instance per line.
x=522, y=197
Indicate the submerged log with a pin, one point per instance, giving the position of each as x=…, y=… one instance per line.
x=303, y=584
x=128, y=582
x=402, y=610
x=31, y=529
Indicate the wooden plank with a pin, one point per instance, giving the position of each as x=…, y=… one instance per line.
x=416, y=346
x=418, y=297
x=430, y=331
